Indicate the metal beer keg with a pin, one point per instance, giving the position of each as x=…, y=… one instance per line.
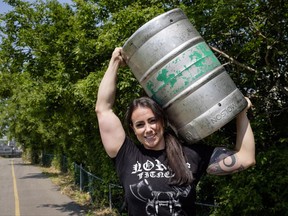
x=177, y=69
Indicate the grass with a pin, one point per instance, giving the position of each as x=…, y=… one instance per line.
x=66, y=183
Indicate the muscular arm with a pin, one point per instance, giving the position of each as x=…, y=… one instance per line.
x=111, y=129
x=224, y=161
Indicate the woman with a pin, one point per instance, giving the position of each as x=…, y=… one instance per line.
x=160, y=176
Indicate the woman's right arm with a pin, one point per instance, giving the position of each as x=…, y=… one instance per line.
x=111, y=129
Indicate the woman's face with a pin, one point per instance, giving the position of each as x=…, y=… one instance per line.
x=148, y=129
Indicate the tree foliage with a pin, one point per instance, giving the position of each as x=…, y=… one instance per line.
x=53, y=56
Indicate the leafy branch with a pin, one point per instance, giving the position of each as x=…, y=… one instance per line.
x=232, y=59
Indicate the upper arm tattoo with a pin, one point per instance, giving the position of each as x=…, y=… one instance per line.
x=223, y=161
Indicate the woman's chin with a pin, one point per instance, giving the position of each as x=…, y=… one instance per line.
x=153, y=144
x=149, y=145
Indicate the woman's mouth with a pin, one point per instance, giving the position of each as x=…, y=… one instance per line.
x=150, y=138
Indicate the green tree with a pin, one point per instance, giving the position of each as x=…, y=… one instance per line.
x=53, y=56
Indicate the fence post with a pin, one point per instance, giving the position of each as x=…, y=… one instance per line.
x=75, y=173
x=64, y=164
x=81, y=178
x=110, y=197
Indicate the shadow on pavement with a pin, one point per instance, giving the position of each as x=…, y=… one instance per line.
x=69, y=208
x=35, y=175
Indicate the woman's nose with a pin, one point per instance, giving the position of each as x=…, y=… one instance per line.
x=148, y=128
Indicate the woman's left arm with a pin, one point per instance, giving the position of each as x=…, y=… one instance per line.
x=224, y=161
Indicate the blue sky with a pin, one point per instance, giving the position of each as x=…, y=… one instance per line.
x=5, y=7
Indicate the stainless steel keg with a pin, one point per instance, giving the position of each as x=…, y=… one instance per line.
x=177, y=69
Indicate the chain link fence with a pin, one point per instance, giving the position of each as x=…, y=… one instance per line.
x=90, y=183
x=97, y=187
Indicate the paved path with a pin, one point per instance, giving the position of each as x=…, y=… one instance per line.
x=25, y=191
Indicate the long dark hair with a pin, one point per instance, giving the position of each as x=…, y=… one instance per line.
x=175, y=155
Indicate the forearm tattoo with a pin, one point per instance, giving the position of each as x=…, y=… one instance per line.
x=223, y=161
x=232, y=163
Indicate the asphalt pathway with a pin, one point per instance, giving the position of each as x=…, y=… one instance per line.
x=26, y=191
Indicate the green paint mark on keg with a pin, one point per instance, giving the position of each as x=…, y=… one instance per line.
x=162, y=77
x=165, y=78
x=175, y=61
x=195, y=56
x=150, y=87
x=181, y=72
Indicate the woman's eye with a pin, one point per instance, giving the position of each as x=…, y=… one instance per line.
x=152, y=121
x=139, y=125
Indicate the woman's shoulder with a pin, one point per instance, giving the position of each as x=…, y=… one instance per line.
x=128, y=147
x=198, y=155
x=203, y=150
x=198, y=146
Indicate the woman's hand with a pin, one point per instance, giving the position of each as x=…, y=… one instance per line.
x=118, y=57
x=249, y=105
